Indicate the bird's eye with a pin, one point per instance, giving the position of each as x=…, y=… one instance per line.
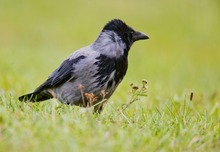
x=130, y=35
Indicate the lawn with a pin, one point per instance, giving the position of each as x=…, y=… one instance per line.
x=180, y=62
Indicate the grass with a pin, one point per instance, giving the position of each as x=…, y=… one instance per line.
x=181, y=56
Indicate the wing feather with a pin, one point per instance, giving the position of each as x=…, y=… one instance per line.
x=62, y=74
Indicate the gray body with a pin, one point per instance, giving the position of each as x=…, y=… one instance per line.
x=70, y=92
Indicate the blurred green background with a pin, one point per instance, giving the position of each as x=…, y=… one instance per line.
x=181, y=56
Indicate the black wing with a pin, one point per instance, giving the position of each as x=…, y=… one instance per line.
x=61, y=74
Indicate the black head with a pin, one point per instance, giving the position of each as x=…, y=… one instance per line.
x=126, y=33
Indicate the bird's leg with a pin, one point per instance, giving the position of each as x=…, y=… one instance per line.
x=98, y=108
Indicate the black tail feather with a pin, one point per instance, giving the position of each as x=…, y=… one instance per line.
x=35, y=97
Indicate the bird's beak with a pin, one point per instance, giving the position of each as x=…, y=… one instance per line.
x=139, y=36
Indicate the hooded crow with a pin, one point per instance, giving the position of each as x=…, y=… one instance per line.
x=91, y=74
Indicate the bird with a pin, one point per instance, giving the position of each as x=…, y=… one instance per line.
x=90, y=75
